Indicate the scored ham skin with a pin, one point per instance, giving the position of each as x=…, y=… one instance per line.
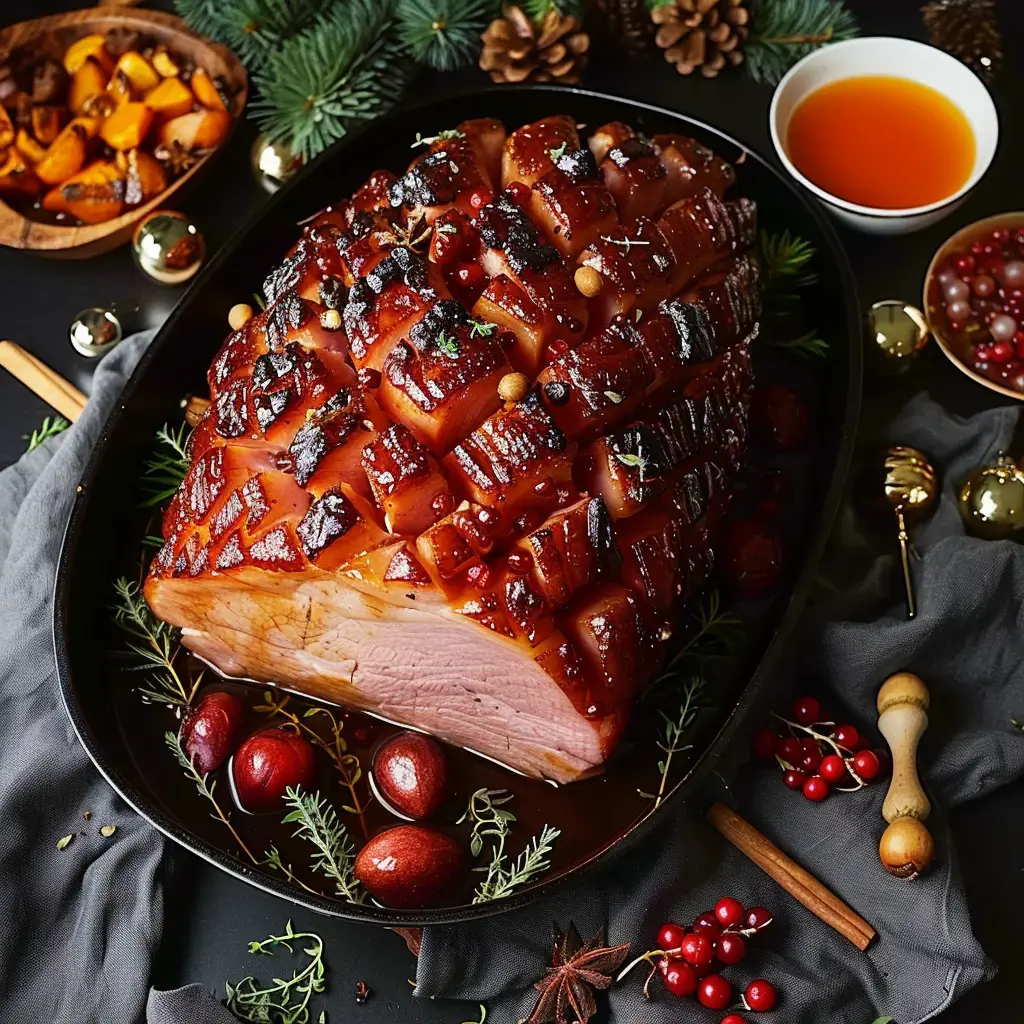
x=365, y=521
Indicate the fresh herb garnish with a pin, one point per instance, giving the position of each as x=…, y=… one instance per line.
x=443, y=136
x=157, y=645
x=166, y=467
x=448, y=345
x=107, y=830
x=446, y=229
x=317, y=822
x=785, y=261
x=481, y=328
x=65, y=841
x=205, y=788
x=284, y=1001
x=714, y=633
x=50, y=427
x=633, y=461
x=558, y=152
x=272, y=860
x=488, y=817
x=672, y=734
x=808, y=345
x=613, y=396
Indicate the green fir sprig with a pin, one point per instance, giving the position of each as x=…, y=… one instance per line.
x=317, y=822
x=50, y=427
x=284, y=1001
x=444, y=34
x=164, y=470
x=786, y=272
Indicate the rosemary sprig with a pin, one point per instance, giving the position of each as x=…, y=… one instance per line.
x=672, y=733
x=166, y=467
x=488, y=817
x=50, y=427
x=808, y=345
x=714, y=632
x=284, y=1001
x=502, y=879
x=157, y=645
x=350, y=771
x=317, y=822
x=205, y=788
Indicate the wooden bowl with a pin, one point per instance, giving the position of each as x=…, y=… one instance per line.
x=54, y=34
x=956, y=347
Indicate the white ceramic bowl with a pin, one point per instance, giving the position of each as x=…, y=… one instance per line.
x=904, y=58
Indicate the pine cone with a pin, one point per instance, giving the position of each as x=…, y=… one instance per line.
x=968, y=30
x=626, y=23
x=517, y=50
x=705, y=34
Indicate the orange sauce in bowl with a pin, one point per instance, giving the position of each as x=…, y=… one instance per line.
x=881, y=141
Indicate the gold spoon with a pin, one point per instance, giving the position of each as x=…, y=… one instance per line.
x=910, y=487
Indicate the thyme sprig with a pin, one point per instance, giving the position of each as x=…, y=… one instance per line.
x=673, y=732
x=488, y=816
x=481, y=328
x=157, y=645
x=448, y=344
x=349, y=768
x=166, y=466
x=50, y=427
x=205, y=789
x=285, y=1001
x=272, y=860
x=501, y=878
x=317, y=822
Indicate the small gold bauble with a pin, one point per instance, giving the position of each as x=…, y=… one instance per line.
x=992, y=500
x=273, y=163
x=94, y=331
x=896, y=333
x=168, y=247
x=910, y=482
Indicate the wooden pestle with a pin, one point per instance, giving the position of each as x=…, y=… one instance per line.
x=906, y=848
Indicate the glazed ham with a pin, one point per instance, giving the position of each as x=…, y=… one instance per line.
x=366, y=521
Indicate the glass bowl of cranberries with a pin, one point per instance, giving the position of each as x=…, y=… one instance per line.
x=974, y=301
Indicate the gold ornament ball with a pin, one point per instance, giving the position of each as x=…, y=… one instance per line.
x=273, y=163
x=94, y=332
x=896, y=334
x=168, y=247
x=992, y=500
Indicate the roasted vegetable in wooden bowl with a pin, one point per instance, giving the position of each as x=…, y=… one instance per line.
x=105, y=113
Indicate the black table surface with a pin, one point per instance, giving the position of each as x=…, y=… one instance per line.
x=209, y=916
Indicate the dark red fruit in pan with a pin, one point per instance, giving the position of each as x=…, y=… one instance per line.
x=268, y=763
x=751, y=556
x=411, y=774
x=210, y=729
x=779, y=417
x=410, y=866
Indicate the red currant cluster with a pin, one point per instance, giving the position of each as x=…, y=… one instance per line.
x=815, y=761
x=686, y=960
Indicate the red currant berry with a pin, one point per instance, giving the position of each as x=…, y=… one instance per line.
x=789, y=750
x=866, y=765
x=807, y=710
x=832, y=768
x=816, y=788
x=730, y=948
x=678, y=976
x=733, y=1018
x=519, y=192
x=761, y=995
x=1002, y=352
x=697, y=949
x=1018, y=238
x=793, y=778
x=757, y=918
x=810, y=755
x=846, y=736
x=763, y=744
x=715, y=992
x=707, y=924
x=729, y=912
x=671, y=935
x=1001, y=236
x=480, y=197
x=963, y=264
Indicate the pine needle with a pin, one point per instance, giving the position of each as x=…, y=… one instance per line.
x=50, y=427
x=784, y=31
x=317, y=822
x=166, y=467
x=444, y=34
x=785, y=259
x=347, y=68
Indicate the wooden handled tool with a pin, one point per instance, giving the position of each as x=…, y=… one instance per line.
x=50, y=386
x=906, y=848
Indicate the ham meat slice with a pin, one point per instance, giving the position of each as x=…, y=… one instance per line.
x=366, y=521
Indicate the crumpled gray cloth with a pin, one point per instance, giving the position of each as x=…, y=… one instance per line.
x=965, y=643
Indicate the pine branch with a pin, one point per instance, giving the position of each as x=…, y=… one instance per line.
x=444, y=34
x=166, y=467
x=783, y=31
x=50, y=427
x=347, y=68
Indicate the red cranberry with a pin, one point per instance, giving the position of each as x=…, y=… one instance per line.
x=866, y=765
x=963, y=264
x=764, y=744
x=793, y=778
x=761, y=995
x=678, y=976
x=816, y=788
x=715, y=992
x=733, y=1018
x=757, y=918
x=671, y=935
x=790, y=750
x=410, y=866
x=729, y=912
x=751, y=556
x=807, y=710
x=519, y=192
x=411, y=774
x=1001, y=236
x=983, y=286
x=846, y=736
x=1018, y=239
x=730, y=948
x=832, y=768
x=267, y=763
x=707, y=924
x=697, y=949
x=779, y=415
x=810, y=755
x=211, y=728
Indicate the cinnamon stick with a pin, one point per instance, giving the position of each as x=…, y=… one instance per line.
x=49, y=385
x=797, y=881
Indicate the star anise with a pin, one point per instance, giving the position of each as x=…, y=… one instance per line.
x=577, y=970
x=175, y=157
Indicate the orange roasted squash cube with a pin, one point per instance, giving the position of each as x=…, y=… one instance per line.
x=28, y=147
x=140, y=73
x=144, y=176
x=171, y=98
x=65, y=155
x=202, y=129
x=206, y=92
x=93, y=195
x=89, y=80
x=91, y=46
x=126, y=127
x=16, y=177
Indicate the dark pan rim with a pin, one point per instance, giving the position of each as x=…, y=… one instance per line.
x=770, y=660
